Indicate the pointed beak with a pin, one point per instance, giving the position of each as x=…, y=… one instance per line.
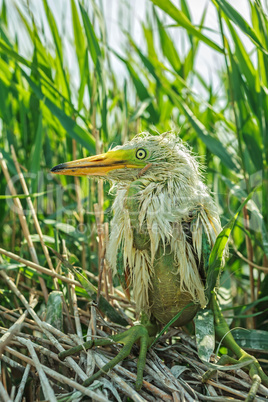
x=97, y=165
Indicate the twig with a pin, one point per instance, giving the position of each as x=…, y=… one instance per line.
x=15, y=328
x=23, y=222
x=59, y=377
x=130, y=392
x=39, y=268
x=47, y=389
x=240, y=255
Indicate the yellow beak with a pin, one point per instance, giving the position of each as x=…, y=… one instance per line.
x=97, y=165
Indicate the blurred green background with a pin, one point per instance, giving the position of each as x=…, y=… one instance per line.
x=72, y=84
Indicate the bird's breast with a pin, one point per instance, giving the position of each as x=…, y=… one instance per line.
x=165, y=297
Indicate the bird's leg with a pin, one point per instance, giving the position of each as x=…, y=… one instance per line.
x=223, y=334
x=142, y=334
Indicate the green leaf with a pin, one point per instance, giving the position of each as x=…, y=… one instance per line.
x=251, y=339
x=168, y=7
x=236, y=17
x=168, y=48
x=37, y=153
x=92, y=41
x=141, y=89
x=54, y=311
x=64, y=85
x=205, y=334
x=75, y=131
x=79, y=39
x=216, y=256
x=212, y=143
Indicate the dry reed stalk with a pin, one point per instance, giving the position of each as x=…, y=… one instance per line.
x=23, y=222
x=33, y=213
x=39, y=268
x=47, y=389
x=57, y=376
x=14, y=329
x=79, y=205
x=3, y=394
x=250, y=258
x=130, y=392
x=109, y=273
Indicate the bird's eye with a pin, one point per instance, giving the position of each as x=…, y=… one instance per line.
x=141, y=153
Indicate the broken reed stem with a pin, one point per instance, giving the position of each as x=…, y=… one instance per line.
x=33, y=213
x=23, y=222
x=250, y=258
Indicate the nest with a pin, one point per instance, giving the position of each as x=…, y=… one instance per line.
x=173, y=371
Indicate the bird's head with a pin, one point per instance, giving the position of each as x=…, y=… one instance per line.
x=153, y=156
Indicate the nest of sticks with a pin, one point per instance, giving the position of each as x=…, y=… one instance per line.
x=173, y=371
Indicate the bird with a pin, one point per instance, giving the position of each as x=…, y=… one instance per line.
x=164, y=226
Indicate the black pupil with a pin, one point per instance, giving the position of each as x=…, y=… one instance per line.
x=141, y=154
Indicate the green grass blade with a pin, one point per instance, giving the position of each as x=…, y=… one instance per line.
x=237, y=18
x=71, y=127
x=79, y=38
x=168, y=48
x=63, y=81
x=92, y=41
x=37, y=153
x=168, y=7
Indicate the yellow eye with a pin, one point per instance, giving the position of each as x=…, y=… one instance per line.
x=141, y=153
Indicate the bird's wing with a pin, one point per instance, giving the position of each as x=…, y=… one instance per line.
x=202, y=232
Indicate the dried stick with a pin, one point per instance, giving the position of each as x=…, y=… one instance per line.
x=15, y=328
x=47, y=389
x=58, y=377
x=23, y=222
x=39, y=268
x=130, y=392
x=3, y=394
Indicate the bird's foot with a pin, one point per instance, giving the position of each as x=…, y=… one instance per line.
x=138, y=333
x=256, y=373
